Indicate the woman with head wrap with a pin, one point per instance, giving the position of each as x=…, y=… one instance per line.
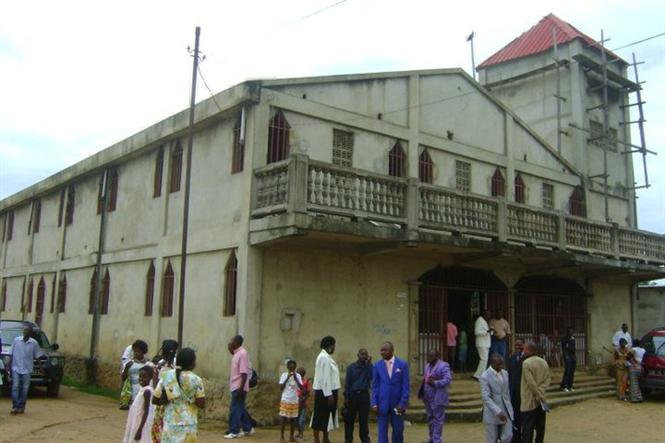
x=326, y=385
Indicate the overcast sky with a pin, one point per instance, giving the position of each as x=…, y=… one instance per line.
x=80, y=76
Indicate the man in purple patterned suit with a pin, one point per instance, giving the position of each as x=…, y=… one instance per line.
x=434, y=393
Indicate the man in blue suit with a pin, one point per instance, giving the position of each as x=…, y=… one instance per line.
x=390, y=393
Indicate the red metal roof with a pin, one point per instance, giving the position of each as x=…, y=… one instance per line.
x=537, y=39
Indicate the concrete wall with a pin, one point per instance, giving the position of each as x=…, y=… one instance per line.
x=649, y=309
x=608, y=307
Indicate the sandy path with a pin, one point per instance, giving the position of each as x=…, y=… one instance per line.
x=80, y=417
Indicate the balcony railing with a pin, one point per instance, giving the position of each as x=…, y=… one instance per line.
x=301, y=185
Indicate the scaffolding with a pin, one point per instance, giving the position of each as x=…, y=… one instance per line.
x=606, y=140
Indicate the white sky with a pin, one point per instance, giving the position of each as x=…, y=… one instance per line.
x=78, y=76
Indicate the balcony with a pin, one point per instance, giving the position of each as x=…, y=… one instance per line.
x=299, y=185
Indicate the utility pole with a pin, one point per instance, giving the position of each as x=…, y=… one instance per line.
x=473, y=56
x=94, y=337
x=188, y=178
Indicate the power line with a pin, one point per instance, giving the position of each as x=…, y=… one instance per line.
x=639, y=41
x=319, y=11
x=212, y=95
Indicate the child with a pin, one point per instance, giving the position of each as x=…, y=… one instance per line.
x=139, y=420
x=289, y=382
x=134, y=365
x=303, y=396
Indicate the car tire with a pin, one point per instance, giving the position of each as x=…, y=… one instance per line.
x=53, y=390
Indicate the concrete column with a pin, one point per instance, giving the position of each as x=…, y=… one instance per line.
x=412, y=204
x=561, y=231
x=502, y=221
x=414, y=126
x=413, y=354
x=297, y=185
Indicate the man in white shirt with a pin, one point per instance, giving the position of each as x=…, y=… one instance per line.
x=25, y=350
x=482, y=332
x=623, y=333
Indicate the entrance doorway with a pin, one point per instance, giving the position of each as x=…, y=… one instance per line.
x=456, y=295
x=545, y=307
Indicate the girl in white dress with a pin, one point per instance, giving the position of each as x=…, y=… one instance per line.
x=139, y=420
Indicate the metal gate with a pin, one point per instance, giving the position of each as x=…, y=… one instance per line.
x=432, y=318
x=545, y=307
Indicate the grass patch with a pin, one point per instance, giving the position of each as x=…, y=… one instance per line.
x=91, y=389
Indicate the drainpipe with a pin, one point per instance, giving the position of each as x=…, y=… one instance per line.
x=94, y=336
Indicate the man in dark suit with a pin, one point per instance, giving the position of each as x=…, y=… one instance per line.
x=514, y=380
x=390, y=393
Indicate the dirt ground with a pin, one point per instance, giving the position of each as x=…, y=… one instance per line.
x=81, y=417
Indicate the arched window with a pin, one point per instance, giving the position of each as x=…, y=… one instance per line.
x=230, y=285
x=106, y=292
x=425, y=167
x=278, y=138
x=149, y=289
x=39, y=306
x=576, y=204
x=28, y=297
x=62, y=294
x=93, y=290
x=520, y=189
x=397, y=161
x=238, y=154
x=176, y=168
x=159, y=169
x=168, y=286
x=498, y=184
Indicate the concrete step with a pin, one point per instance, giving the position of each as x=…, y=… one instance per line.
x=472, y=392
x=477, y=402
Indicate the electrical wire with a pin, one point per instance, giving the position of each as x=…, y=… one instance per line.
x=212, y=95
x=319, y=11
x=640, y=41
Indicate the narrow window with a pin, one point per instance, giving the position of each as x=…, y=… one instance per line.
x=28, y=297
x=230, y=285
x=36, y=215
x=168, y=286
x=548, y=196
x=4, y=296
x=93, y=290
x=53, y=286
x=397, y=161
x=342, y=153
x=39, y=306
x=278, y=138
x=61, y=207
x=238, y=154
x=425, y=167
x=159, y=170
x=462, y=176
x=149, y=289
x=576, y=202
x=498, y=184
x=4, y=226
x=595, y=133
x=10, y=225
x=62, y=294
x=69, y=211
x=520, y=189
x=112, y=196
x=111, y=192
x=176, y=168
x=106, y=292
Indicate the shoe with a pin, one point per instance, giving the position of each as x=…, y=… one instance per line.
x=124, y=407
x=231, y=435
x=14, y=411
x=20, y=411
x=566, y=390
x=252, y=431
x=571, y=389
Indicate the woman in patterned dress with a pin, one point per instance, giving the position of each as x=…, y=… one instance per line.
x=164, y=361
x=181, y=391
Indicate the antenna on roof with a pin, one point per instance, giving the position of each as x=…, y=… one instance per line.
x=473, y=59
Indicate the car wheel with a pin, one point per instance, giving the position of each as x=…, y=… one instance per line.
x=53, y=390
